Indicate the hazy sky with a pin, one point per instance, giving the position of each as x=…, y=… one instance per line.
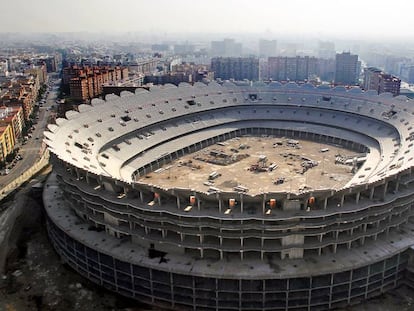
x=356, y=18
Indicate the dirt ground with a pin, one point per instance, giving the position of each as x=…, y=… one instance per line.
x=255, y=163
x=36, y=279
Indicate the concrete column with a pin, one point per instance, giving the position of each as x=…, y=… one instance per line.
x=325, y=203
x=342, y=200
x=178, y=202
x=264, y=203
x=358, y=195
x=241, y=203
x=320, y=237
x=141, y=196
x=371, y=195
x=220, y=205
x=397, y=184
x=198, y=204
x=385, y=190
x=334, y=247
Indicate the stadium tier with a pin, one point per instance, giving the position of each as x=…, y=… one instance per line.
x=294, y=241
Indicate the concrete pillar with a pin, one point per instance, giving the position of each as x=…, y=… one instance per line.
x=220, y=205
x=241, y=203
x=325, y=203
x=198, y=204
x=342, y=200
x=334, y=247
x=141, y=196
x=264, y=203
x=178, y=202
x=385, y=190
x=358, y=195
x=371, y=195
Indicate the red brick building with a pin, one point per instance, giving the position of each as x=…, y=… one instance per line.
x=86, y=82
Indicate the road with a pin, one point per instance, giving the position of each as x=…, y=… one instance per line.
x=32, y=150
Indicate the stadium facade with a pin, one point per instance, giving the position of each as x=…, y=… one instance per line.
x=184, y=248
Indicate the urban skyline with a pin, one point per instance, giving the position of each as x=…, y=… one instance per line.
x=354, y=19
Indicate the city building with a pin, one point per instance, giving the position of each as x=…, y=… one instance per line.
x=13, y=115
x=7, y=141
x=226, y=48
x=237, y=68
x=291, y=68
x=346, y=69
x=145, y=66
x=326, y=69
x=172, y=77
x=267, y=48
x=136, y=204
x=21, y=91
x=375, y=79
x=85, y=82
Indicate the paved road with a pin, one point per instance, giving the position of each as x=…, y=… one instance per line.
x=32, y=150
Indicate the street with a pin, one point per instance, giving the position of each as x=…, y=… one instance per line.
x=31, y=151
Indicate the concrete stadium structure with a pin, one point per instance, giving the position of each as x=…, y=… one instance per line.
x=183, y=248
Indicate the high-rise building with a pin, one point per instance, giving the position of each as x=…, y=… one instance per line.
x=326, y=69
x=346, y=71
x=376, y=79
x=291, y=68
x=226, y=48
x=237, y=68
x=267, y=48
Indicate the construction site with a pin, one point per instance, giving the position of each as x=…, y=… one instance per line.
x=261, y=164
